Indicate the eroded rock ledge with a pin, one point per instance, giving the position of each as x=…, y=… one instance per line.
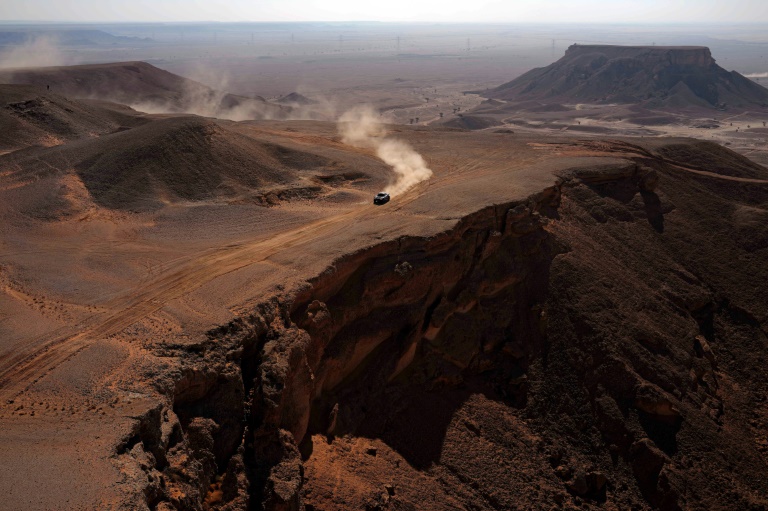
x=412, y=311
x=605, y=378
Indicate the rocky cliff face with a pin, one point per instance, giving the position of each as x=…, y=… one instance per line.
x=660, y=76
x=415, y=312
x=587, y=347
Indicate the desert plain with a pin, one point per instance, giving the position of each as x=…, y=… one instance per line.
x=201, y=307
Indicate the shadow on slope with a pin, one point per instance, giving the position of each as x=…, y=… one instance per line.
x=186, y=158
x=31, y=116
x=173, y=160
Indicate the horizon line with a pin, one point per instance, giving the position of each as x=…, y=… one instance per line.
x=520, y=22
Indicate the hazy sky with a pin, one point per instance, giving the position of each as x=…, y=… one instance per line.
x=625, y=11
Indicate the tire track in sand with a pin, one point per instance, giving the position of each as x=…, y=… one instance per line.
x=20, y=370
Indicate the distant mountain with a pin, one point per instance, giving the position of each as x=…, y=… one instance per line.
x=676, y=77
x=146, y=88
x=65, y=37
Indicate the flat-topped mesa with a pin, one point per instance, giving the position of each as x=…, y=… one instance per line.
x=694, y=56
x=659, y=76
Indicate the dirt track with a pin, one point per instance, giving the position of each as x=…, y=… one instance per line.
x=21, y=369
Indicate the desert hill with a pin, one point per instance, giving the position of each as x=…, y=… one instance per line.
x=184, y=158
x=30, y=115
x=677, y=77
x=145, y=87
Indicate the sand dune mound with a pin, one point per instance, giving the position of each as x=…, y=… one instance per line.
x=33, y=116
x=146, y=87
x=184, y=158
x=677, y=77
x=170, y=160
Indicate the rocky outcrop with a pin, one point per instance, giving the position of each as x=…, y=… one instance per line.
x=678, y=77
x=556, y=351
x=421, y=311
x=426, y=311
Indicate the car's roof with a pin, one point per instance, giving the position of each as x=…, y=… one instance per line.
x=382, y=193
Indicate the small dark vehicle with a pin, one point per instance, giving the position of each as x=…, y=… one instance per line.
x=381, y=198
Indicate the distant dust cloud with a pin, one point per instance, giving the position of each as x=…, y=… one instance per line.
x=40, y=51
x=361, y=127
x=757, y=75
x=199, y=99
x=205, y=94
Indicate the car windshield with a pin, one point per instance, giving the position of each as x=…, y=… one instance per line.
x=382, y=195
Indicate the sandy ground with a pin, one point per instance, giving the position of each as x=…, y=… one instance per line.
x=87, y=301
x=108, y=274
x=742, y=132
